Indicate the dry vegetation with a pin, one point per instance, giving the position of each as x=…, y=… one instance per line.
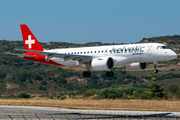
x=149, y=105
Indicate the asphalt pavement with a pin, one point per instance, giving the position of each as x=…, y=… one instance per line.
x=55, y=113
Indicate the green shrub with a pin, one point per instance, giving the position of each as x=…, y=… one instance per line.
x=140, y=95
x=62, y=97
x=119, y=92
x=11, y=96
x=58, y=96
x=71, y=94
x=55, y=98
x=90, y=93
x=50, y=96
x=97, y=97
x=173, y=88
x=23, y=95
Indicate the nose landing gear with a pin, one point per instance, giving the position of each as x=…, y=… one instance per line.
x=155, y=65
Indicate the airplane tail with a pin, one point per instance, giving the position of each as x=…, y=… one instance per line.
x=30, y=42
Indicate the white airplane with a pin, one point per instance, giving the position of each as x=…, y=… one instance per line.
x=133, y=56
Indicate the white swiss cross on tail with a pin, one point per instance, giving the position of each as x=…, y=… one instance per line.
x=29, y=41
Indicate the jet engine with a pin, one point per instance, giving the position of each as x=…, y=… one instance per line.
x=136, y=66
x=102, y=63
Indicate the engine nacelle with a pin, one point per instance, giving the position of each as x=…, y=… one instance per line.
x=102, y=63
x=136, y=66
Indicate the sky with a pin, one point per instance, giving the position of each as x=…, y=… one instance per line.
x=83, y=21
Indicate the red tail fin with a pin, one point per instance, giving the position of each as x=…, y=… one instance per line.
x=30, y=42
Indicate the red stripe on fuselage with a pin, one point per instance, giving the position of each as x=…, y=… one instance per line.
x=42, y=59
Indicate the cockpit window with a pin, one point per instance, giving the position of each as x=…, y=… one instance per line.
x=165, y=47
x=162, y=47
x=159, y=47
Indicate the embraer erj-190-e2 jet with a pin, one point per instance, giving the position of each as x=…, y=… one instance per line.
x=133, y=56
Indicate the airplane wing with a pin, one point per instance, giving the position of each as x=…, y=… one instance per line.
x=61, y=55
x=19, y=55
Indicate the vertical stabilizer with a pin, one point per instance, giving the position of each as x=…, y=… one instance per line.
x=30, y=42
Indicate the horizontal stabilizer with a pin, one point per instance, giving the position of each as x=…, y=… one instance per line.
x=19, y=55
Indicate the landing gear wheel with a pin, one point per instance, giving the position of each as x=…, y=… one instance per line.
x=156, y=71
x=89, y=74
x=109, y=73
x=86, y=74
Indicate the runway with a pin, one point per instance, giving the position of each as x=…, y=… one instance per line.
x=54, y=113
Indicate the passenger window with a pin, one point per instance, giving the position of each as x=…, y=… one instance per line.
x=91, y=52
x=71, y=53
x=99, y=51
x=84, y=52
x=77, y=52
x=106, y=51
x=102, y=51
x=81, y=52
x=94, y=51
x=88, y=52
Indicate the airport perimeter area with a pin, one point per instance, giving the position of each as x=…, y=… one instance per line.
x=102, y=104
x=55, y=113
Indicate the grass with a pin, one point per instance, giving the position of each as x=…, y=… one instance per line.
x=106, y=104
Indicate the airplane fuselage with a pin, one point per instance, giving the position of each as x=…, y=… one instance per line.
x=144, y=52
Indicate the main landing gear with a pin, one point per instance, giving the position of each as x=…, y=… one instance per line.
x=155, y=65
x=109, y=73
x=87, y=73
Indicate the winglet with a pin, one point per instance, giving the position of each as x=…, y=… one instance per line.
x=30, y=42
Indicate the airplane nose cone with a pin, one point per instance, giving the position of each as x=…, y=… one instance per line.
x=173, y=55
x=176, y=55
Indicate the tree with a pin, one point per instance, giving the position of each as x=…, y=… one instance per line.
x=2, y=75
x=43, y=82
x=36, y=76
x=173, y=88
x=22, y=76
x=42, y=88
x=60, y=80
x=30, y=81
x=156, y=89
